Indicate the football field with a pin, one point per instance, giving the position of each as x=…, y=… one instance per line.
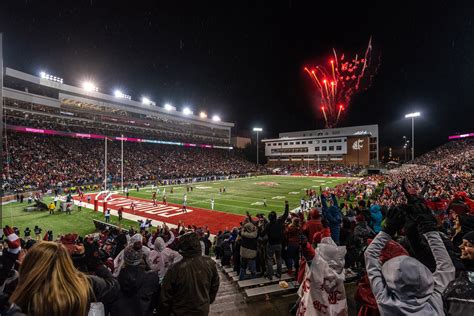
x=243, y=194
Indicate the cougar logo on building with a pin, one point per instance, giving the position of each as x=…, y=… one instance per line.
x=357, y=145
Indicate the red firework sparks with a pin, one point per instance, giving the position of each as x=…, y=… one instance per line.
x=338, y=84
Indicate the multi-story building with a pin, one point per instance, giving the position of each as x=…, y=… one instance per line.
x=355, y=145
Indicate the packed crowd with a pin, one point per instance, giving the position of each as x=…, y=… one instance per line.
x=43, y=162
x=322, y=169
x=407, y=237
x=90, y=121
x=114, y=272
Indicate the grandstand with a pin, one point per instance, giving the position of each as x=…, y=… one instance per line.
x=32, y=101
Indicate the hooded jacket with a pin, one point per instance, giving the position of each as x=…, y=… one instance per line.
x=333, y=216
x=376, y=218
x=138, y=289
x=403, y=285
x=119, y=260
x=162, y=257
x=248, y=242
x=190, y=285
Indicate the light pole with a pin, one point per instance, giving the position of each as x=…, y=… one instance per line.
x=257, y=129
x=412, y=116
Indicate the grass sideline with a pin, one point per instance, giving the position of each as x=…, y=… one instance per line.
x=243, y=194
x=60, y=222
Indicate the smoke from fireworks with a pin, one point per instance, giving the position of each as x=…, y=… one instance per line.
x=338, y=84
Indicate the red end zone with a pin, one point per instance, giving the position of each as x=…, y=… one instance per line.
x=172, y=213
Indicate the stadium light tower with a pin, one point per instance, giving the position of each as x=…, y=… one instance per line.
x=203, y=115
x=412, y=116
x=216, y=118
x=147, y=101
x=89, y=86
x=187, y=111
x=257, y=129
x=45, y=75
x=169, y=107
x=119, y=94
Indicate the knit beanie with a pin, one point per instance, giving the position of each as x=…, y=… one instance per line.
x=14, y=243
x=132, y=256
x=469, y=237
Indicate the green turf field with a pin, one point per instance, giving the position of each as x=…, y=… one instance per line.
x=60, y=223
x=245, y=194
x=242, y=195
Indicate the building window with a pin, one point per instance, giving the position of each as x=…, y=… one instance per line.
x=291, y=143
x=338, y=147
x=331, y=147
x=279, y=144
x=320, y=134
x=324, y=148
x=285, y=144
x=324, y=141
x=310, y=142
x=316, y=148
x=269, y=144
x=304, y=134
x=297, y=143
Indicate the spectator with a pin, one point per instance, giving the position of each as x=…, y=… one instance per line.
x=274, y=231
x=50, y=285
x=162, y=257
x=248, y=249
x=375, y=218
x=403, y=285
x=459, y=295
x=191, y=284
x=333, y=216
x=138, y=287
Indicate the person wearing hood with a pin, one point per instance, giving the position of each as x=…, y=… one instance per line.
x=333, y=216
x=248, y=249
x=363, y=295
x=119, y=260
x=137, y=287
x=403, y=285
x=459, y=295
x=162, y=257
x=190, y=285
x=322, y=290
x=376, y=218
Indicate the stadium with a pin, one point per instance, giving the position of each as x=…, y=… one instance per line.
x=119, y=202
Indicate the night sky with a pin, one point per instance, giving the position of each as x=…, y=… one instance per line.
x=245, y=61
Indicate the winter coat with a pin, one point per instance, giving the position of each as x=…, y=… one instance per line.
x=190, y=285
x=119, y=260
x=403, y=285
x=459, y=295
x=248, y=242
x=162, y=257
x=333, y=216
x=376, y=218
x=292, y=234
x=138, y=290
x=274, y=229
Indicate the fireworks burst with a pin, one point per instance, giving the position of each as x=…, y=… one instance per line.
x=338, y=84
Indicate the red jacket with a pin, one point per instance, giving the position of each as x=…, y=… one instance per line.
x=292, y=234
x=311, y=227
